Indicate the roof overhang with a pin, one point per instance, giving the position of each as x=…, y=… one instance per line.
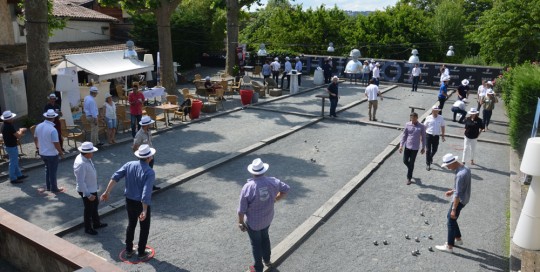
x=108, y=65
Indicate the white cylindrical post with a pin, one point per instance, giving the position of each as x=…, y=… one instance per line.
x=527, y=234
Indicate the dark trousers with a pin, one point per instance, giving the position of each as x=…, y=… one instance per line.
x=91, y=216
x=487, y=117
x=432, y=144
x=299, y=80
x=275, y=76
x=51, y=168
x=134, y=209
x=457, y=110
x=288, y=80
x=441, y=104
x=376, y=81
x=260, y=247
x=135, y=126
x=415, y=80
x=327, y=77
x=333, y=106
x=264, y=79
x=453, y=227
x=409, y=157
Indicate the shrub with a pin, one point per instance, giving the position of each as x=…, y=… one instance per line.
x=521, y=89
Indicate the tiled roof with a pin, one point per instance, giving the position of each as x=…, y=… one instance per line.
x=13, y=57
x=73, y=9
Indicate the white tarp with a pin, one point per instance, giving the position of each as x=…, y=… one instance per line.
x=108, y=65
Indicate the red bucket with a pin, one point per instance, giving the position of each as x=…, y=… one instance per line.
x=196, y=107
x=245, y=96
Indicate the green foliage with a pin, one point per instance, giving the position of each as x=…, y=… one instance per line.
x=52, y=21
x=195, y=29
x=448, y=26
x=521, y=89
x=510, y=32
x=474, y=60
x=27, y=122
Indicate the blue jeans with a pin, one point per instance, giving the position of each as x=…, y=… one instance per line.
x=453, y=227
x=487, y=117
x=51, y=166
x=135, y=119
x=260, y=247
x=14, y=170
x=333, y=106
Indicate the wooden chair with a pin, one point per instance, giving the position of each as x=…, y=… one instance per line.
x=186, y=94
x=270, y=84
x=257, y=87
x=74, y=133
x=180, y=110
x=198, y=77
x=257, y=71
x=151, y=111
x=122, y=117
x=200, y=90
x=246, y=81
x=224, y=76
x=86, y=125
x=121, y=94
x=218, y=98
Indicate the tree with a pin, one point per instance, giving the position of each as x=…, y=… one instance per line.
x=39, y=81
x=162, y=10
x=448, y=26
x=509, y=33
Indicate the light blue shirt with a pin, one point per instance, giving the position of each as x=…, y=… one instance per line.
x=90, y=106
x=47, y=136
x=462, y=185
x=139, y=180
x=266, y=70
x=86, y=176
x=298, y=66
x=288, y=67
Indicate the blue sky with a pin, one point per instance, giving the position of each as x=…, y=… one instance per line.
x=355, y=5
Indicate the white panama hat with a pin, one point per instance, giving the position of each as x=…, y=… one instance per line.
x=258, y=167
x=144, y=151
x=87, y=147
x=448, y=159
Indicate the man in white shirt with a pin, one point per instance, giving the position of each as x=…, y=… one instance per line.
x=48, y=146
x=288, y=69
x=377, y=73
x=372, y=92
x=482, y=91
x=444, y=72
x=371, y=66
x=298, y=68
x=87, y=187
x=435, y=126
x=275, y=65
x=416, y=75
x=459, y=107
x=91, y=112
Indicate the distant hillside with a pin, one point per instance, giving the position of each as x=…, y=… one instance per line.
x=356, y=13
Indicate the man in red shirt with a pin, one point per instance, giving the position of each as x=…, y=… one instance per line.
x=136, y=100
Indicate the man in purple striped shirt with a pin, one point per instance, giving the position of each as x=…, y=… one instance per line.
x=256, y=210
x=413, y=134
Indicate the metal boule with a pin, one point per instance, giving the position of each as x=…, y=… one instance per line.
x=421, y=213
x=413, y=253
x=407, y=236
x=417, y=251
x=376, y=243
x=430, y=237
x=430, y=248
x=416, y=239
x=385, y=242
x=427, y=222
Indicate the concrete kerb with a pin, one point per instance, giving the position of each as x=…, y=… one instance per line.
x=516, y=205
x=110, y=208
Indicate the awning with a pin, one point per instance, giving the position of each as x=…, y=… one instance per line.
x=108, y=65
x=63, y=64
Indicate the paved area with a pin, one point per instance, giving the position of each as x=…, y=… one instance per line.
x=193, y=223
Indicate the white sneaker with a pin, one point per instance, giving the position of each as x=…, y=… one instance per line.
x=445, y=248
x=458, y=242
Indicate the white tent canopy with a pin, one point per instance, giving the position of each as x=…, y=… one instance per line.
x=109, y=64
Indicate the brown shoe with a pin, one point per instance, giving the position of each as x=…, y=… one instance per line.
x=409, y=182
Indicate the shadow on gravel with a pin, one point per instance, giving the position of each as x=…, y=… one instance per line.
x=485, y=259
x=187, y=205
x=491, y=170
x=431, y=198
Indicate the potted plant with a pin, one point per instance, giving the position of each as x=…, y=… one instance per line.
x=236, y=72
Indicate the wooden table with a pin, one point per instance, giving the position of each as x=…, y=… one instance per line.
x=166, y=108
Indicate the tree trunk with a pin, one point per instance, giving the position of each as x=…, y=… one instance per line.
x=38, y=74
x=232, y=34
x=163, y=15
x=5, y=25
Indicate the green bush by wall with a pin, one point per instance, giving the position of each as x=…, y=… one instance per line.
x=521, y=89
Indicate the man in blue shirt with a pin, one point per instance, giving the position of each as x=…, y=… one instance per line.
x=298, y=68
x=288, y=69
x=443, y=92
x=461, y=193
x=139, y=181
